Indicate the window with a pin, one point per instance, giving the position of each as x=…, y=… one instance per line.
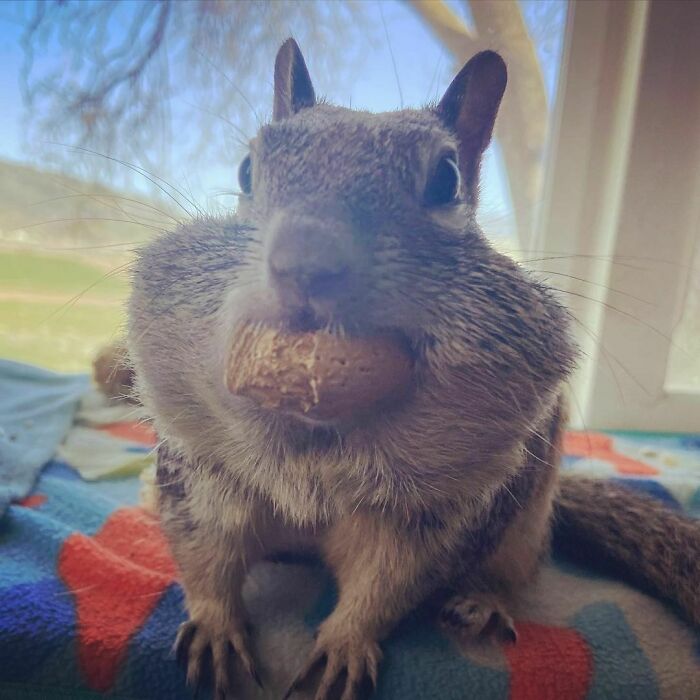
x=623, y=195
x=593, y=179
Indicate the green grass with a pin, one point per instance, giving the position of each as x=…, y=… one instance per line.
x=67, y=341
x=37, y=325
x=58, y=275
x=42, y=213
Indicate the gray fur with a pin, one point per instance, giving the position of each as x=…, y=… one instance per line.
x=419, y=480
x=492, y=343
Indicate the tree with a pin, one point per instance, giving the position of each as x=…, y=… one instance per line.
x=134, y=77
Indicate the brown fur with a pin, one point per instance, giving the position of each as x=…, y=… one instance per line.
x=443, y=496
x=635, y=535
x=526, y=540
x=112, y=372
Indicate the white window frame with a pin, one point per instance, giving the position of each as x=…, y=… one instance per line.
x=622, y=192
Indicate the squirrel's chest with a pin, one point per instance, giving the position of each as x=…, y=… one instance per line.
x=299, y=496
x=314, y=490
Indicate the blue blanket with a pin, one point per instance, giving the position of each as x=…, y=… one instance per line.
x=90, y=603
x=36, y=411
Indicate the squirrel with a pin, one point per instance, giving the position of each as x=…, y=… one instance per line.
x=365, y=223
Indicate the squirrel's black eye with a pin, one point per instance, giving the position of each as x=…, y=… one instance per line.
x=245, y=175
x=444, y=184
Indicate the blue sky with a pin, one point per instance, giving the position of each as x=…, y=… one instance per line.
x=10, y=98
x=424, y=71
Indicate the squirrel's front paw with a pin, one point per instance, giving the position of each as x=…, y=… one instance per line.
x=208, y=651
x=345, y=666
x=478, y=616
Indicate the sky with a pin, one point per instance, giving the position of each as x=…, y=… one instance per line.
x=423, y=71
x=10, y=97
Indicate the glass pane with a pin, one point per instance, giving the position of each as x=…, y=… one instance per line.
x=530, y=36
x=69, y=219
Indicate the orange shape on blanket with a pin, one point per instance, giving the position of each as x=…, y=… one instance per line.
x=599, y=446
x=117, y=578
x=33, y=501
x=548, y=663
x=135, y=431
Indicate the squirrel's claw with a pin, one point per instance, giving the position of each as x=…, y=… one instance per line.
x=344, y=669
x=208, y=657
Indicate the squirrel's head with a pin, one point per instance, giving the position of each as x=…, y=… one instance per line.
x=364, y=222
x=363, y=218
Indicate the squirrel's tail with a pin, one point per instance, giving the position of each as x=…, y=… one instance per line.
x=632, y=534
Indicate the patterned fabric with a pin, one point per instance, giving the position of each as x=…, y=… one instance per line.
x=36, y=410
x=89, y=600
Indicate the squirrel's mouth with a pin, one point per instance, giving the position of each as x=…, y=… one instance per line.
x=306, y=320
x=319, y=375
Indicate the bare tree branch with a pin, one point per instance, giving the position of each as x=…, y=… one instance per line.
x=129, y=79
x=448, y=27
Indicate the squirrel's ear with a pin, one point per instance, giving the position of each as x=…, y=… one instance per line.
x=293, y=88
x=469, y=108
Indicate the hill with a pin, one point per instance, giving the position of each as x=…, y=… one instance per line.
x=65, y=248
x=51, y=210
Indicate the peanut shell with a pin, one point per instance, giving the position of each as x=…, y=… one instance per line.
x=317, y=373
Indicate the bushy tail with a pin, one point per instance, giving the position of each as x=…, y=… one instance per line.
x=632, y=535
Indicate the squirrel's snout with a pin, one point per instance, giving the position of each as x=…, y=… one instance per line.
x=310, y=265
x=316, y=280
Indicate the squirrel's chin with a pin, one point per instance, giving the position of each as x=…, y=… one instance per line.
x=341, y=423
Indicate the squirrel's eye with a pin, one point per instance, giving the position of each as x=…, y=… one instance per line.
x=245, y=175
x=444, y=185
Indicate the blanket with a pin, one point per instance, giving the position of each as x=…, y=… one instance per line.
x=36, y=411
x=90, y=601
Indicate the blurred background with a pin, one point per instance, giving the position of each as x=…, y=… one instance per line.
x=121, y=119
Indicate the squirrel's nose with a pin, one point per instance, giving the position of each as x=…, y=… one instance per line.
x=308, y=262
x=310, y=280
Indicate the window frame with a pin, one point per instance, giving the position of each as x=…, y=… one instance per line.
x=622, y=193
